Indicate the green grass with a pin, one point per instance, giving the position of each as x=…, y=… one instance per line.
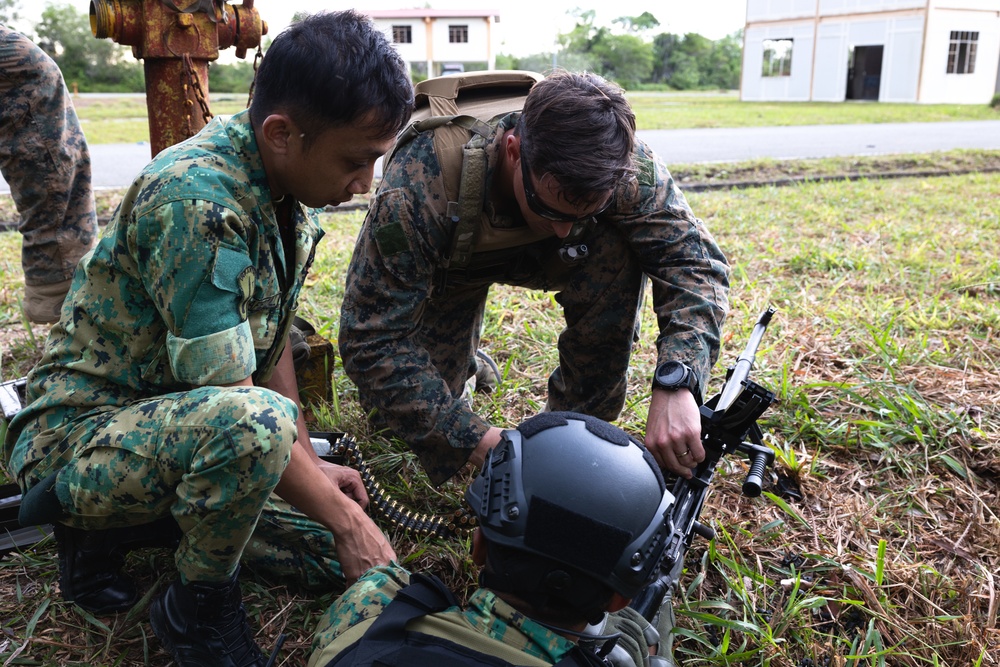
x=878, y=541
x=668, y=111
x=123, y=119
x=112, y=120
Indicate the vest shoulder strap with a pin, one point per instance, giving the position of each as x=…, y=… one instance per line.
x=460, y=108
x=387, y=643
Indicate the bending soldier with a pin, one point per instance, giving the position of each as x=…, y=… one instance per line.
x=560, y=196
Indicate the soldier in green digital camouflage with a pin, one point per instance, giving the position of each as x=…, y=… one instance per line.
x=45, y=161
x=564, y=198
x=562, y=551
x=166, y=394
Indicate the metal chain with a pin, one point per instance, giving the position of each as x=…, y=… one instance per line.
x=185, y=84
x=199, y=94
x=253, y=82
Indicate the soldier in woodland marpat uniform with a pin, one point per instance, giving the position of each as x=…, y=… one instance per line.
x=560, y=196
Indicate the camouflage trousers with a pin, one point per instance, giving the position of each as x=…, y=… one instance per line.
x=601, y=297
x=209, y=457
x=45, y=160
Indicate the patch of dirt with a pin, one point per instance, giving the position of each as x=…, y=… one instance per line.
x=703, y=176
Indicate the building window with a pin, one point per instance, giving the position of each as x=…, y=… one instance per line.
x=402, y=34
x=962, y=52
x=458, y=34
x=777, y=57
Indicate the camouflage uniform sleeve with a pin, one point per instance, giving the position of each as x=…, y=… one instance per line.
x=402, y=241
x=687, y=269
x=345, y=620
x=193, y=261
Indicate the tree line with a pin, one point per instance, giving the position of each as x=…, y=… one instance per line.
x=627, y=52
x=635, y=58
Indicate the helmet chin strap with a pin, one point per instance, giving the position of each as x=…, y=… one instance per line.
x=601, y=644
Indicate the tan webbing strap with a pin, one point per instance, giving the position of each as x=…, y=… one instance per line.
x=410, y=132
x=455, y=107
x=470, y=203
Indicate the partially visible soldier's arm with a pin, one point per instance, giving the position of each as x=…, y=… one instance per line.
x=332, y=495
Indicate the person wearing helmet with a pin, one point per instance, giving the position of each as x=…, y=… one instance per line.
x=573, y=519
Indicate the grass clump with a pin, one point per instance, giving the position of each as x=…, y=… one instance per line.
x=876, y=541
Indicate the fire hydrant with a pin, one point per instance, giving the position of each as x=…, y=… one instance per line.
x=176, y=39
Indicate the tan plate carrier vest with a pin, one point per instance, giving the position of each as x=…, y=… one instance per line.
x=461, y=110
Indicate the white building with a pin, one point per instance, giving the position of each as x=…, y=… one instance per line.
x=930, y=51
x=432, y=38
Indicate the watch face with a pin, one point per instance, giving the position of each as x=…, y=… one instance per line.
x=670, y=374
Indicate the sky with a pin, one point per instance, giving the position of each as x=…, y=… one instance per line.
x=526, y=26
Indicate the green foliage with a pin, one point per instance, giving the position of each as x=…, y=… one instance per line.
x=630, y=58
x=643, y=22
x=583, y=34
x=567, y=60
x=626, y=59
x=8, y=11
x=995, y=102
x=692, y=61
x=504, y=61
x=88, y=63
x=234, y=78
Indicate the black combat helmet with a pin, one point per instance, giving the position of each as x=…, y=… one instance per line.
x=582, y=495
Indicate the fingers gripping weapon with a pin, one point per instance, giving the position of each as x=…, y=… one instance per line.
x=728, y=425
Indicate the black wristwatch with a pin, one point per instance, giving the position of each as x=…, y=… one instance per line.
x=673, y=375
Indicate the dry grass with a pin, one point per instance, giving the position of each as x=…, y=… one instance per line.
x=878, y=541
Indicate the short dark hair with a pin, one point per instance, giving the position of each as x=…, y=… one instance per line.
x=580, y=129
x=332, y=69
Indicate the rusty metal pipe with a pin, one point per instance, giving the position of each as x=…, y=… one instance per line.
x=176, y=40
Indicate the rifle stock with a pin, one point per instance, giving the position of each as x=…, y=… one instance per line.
x=728, y=420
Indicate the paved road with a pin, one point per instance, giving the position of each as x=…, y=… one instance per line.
x=116, y=164
x=818, y=141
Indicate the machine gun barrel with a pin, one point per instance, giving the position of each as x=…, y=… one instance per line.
x=726, y=420
x=744, y=364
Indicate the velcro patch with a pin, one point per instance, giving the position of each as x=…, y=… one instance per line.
x=391, y=239
x=646, y=171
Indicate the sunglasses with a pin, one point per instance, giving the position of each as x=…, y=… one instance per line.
x=536, y=205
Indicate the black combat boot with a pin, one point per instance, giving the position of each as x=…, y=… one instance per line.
x=90, y=571
x=204, y=625
x=90, y=562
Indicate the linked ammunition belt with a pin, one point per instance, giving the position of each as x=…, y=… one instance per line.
x=344, y=450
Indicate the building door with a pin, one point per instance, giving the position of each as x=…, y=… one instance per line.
x=864, y=72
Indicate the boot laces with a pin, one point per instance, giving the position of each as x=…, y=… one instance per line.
x=236, y=636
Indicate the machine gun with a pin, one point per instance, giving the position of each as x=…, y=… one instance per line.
x=728, y=420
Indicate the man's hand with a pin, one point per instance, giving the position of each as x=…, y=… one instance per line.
x=486, y=443
x=329, y=494
x=360, y=546
x=673, y=431
x=347, y=480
